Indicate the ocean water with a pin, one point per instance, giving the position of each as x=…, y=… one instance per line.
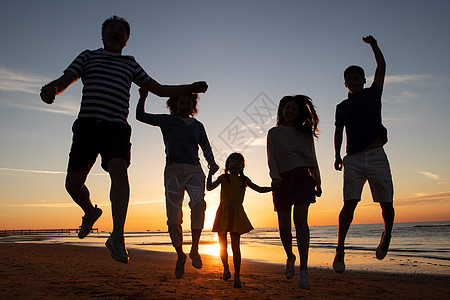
x=415, y=247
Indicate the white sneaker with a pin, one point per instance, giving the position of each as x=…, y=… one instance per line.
x=338, y=263
x=303, y=283
x=117, y=248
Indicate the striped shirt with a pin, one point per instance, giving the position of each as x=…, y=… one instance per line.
x=289, y=148
x=107, y=79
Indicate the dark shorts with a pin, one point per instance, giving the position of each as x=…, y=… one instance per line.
x=92, y=137
x=297, y=187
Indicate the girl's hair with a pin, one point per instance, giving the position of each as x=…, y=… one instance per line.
x=120, y=20
x=171, y=104
x=239, y=157
x=307, y=120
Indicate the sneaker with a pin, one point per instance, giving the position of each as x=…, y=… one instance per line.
x=338, y=263
x=196, y=260
x=117, y=248
x=303, y=283
x=88, y=222
x=290, y=267
x=383, y=247
x=179, y=267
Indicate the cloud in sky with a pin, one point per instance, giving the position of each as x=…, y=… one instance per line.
x=424, y=199
x=400, y=78
x=43, y=171
x=58, y=107
x=46, y=205
x=17, y=82
x=13, y=81
x=430, y=175
x=404, y=78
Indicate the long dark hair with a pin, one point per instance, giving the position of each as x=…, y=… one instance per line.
x=237, y=156
x=308, y=120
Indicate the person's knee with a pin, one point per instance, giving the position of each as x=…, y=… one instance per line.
x=117, y=168
x=75, y=182
x=350, y=205
x=71, y=187
x=387, y=207
x=174, y=223
x=198, y=207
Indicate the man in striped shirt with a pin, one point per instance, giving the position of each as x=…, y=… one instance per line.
x=102, y=127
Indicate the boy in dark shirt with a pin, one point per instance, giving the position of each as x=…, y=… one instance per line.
x=366, y=160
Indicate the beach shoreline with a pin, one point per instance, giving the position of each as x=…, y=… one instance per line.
x=32, y=271
x=418, y=248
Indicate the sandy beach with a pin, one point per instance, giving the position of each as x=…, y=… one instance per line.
x=47, y=271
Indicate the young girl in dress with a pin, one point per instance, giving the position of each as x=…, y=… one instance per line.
x=295, y=175
x=230, y=216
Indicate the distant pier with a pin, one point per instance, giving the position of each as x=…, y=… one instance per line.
x=40, y=231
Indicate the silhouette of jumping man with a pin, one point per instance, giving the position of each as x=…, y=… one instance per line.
x=366, y=159
x=102, y=127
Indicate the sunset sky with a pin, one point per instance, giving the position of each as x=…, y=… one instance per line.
x=251, y=53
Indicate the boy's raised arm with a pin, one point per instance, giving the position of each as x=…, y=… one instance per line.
x=174, y=90
x=379, y=58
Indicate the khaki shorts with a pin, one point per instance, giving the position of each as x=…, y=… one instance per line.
x=179, y=178
x=370, y=165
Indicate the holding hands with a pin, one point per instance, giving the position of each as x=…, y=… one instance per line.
x=213, y=168
x=276, y=183
x=199, y=87
x=143, y=93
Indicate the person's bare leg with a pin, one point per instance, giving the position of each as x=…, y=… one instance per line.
x=388, y=217
x=75, y=186
x=302, y=233
x=284, y=225
x=119, y=194
x=194, y=255
x=388, y=213
x=196, y=233
x=345, y=219
x=235, y=246
x=224, y=255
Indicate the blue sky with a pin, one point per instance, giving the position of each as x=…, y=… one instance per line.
x=251, y=53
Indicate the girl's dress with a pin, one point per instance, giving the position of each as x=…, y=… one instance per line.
x=230, y=215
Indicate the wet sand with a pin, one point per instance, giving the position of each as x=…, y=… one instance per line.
x=48, y=271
